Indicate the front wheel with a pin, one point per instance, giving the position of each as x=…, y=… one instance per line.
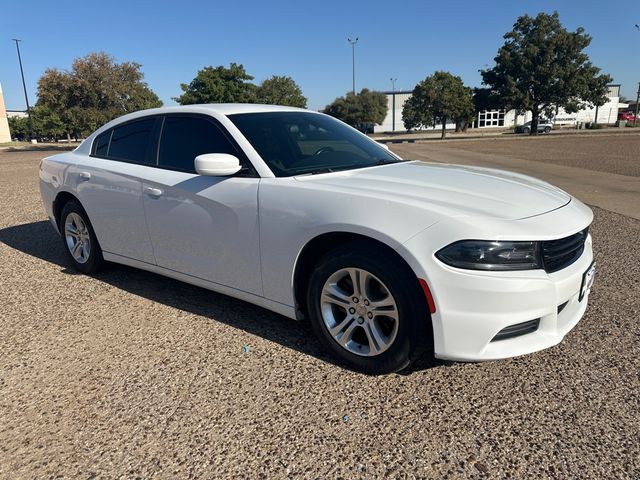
x=526, y=130
x=367, y=310
x=547, y=129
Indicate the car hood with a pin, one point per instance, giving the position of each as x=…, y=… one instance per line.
x=450, y=189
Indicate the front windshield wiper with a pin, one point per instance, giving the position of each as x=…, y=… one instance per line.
x=317, y=171
x=385, y=161
x=326, y=170
x=381, y=161
x=320, y=170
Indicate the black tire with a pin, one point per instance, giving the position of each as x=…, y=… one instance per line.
x=95, y=261
x=526, y=130
x=414, y=333
x=547, y=129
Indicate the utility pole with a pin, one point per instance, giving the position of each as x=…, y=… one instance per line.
x=635, y=120
x=393, y=103
x=353, y=62
x=24, y=86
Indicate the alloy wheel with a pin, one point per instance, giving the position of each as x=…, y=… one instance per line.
x=359, y=312
x=77, y=237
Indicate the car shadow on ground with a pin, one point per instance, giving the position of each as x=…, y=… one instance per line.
x=39, y=240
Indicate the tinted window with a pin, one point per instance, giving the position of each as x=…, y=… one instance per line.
x=101, y=144
x=294, y=143
x=131, y=142
x=184, y=138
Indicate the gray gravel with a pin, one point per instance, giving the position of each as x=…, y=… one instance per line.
x=128, y=374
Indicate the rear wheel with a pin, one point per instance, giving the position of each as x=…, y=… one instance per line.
x=81, y=245
x=547, y=129
x=367, y=311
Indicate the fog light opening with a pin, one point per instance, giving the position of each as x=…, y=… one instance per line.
x=517, y=330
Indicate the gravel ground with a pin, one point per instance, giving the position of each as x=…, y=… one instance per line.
x=603, y=152
x=128, y=374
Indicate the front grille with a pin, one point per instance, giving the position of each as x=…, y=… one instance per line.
x=558, y=254
x=516, y=330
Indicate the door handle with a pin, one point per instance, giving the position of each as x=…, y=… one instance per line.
x=153, y=192
x=84, y=176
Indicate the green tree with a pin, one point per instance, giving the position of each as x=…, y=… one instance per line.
x=358, y=109
x=542, y=66
x=466, y=115
x=411, y=114
x=484, y=99
x=281, y=90
x=19, y=128
x=94, y=91
x=219, y=85
x=438, y=98
x=47, y=123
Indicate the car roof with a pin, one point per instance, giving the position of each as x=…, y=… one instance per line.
x=220, y=108
x=206, y=108
x=228, y=108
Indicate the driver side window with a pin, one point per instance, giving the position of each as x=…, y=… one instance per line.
x=184, y=138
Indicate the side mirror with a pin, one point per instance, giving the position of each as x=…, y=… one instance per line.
x=217, y=164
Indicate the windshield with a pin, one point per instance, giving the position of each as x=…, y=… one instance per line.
x=296, y=143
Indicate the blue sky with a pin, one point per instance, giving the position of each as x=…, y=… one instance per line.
x=304, y=39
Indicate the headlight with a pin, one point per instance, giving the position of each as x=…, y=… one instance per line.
x=488, y=255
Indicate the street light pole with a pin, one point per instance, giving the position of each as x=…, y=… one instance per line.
x=353, y=62
x=635, y=120
x=24, y=86
x=393, y=103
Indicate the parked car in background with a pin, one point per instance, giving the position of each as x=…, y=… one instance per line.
x=544, y=126
x=629, y=117
x=301, y=214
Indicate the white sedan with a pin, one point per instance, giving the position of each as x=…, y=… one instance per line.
x=299, y=213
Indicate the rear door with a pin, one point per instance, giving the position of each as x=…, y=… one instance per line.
x=110, y=189
x=203, y=226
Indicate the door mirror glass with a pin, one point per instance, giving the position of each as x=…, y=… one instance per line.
x=217, y=164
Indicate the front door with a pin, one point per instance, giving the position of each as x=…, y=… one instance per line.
x=202, y=226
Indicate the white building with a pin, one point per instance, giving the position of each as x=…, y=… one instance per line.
x=5, y=135
x=606, y=114
x=16, y=113
x=393, y=120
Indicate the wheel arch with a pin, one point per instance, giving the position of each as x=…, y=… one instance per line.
x=318, y=246
x=62, y=198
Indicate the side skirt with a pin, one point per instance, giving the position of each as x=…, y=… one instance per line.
x=282, y=309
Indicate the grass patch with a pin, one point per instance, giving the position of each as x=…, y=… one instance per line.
x=14, y=144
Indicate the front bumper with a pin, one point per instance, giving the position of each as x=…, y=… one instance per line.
x=472, y=307
x=484, y=306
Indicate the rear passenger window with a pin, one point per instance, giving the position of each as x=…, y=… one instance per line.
x=101, y=144
x=184, y=138
x=131, y=142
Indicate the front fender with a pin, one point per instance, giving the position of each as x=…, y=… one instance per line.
x=294, y=213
